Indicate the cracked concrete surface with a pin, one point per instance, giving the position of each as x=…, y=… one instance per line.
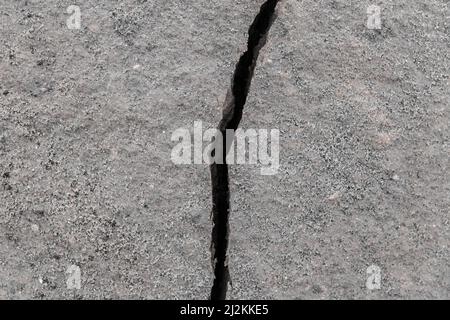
x=233, y=107
x=86, y=118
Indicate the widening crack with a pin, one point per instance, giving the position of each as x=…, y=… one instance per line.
x=232, y=114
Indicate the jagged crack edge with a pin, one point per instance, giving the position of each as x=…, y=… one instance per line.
x=232, y=114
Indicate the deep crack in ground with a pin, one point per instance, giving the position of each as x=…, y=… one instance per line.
x=232, y=114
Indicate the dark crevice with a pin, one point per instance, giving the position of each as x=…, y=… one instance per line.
x=232, y=114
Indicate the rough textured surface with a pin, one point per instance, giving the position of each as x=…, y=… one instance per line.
x=86, y=179
x=364, y=176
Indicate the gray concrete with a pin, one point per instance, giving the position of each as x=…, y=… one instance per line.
x=86, y=118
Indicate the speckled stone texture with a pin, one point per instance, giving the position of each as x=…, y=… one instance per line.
x=86, y=178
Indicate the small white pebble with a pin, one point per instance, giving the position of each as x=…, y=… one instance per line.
x=395, y=177
x=34, y=228
x=334, y=196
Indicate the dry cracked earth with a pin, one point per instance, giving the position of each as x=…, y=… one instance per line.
x=88, y=188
